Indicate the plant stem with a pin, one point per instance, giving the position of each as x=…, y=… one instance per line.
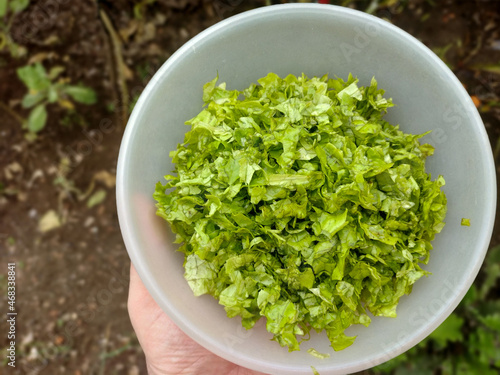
x=13, y=113
x=496, y=152
x=120, y=64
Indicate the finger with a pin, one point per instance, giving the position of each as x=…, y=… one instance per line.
x=137, y=288
x=139, y=299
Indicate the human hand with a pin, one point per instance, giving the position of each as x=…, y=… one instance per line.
x=168, y=350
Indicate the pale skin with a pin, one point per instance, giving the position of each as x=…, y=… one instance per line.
x=168, y=350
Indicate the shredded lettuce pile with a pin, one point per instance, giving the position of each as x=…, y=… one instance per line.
x=295, y=201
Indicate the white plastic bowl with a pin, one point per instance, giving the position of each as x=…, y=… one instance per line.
x=314, y=39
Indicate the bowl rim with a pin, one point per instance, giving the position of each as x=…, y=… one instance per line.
x=124, y=207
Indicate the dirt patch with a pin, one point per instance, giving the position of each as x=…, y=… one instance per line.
x=72, y=280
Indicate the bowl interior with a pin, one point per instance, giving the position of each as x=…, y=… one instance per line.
x=314, y=40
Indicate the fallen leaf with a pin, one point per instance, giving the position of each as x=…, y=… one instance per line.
x=51, y=40
x=153, y=49
x=491, y=68
x=36, y=175
x=160, y=19
x=17, y=148
x=147, y=33
x=9, y=190
x=448, y=17
x=476, y=101
x=128, y=31
x=59, y=340
x=52, y=169
x=33, y=354
x=96, y=198
x=49, y=221
x=22, y=196
x=41, y=56
x=11, y=169
x=106, y=178
x=100, y=210
x=66, y=104
x=127, y=73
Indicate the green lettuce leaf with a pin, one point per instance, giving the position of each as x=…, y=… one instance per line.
x=295, y=201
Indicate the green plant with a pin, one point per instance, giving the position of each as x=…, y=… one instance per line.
x=46, y=88
x=133, y=102
x=468, y=342
x=8, y=10
x=140, y=7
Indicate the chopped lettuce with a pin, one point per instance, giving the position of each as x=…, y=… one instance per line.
x=295, y=201
x=317, y=354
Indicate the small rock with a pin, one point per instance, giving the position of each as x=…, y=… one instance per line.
x=33, y=355
x=52, y=170
x=88, y=222
x=50, y=326
x=32, y=213
x=69, y=316
x=28, y=339
x=183, y=33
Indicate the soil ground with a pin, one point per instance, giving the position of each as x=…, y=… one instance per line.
x=72, y=280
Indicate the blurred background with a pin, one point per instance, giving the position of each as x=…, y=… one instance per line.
x=70, y=74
